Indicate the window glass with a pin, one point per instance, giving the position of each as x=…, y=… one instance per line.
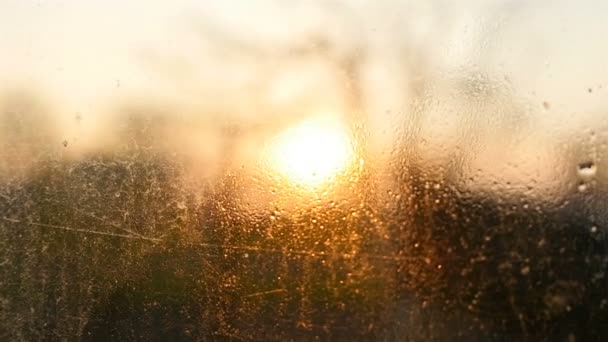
x=294, y=170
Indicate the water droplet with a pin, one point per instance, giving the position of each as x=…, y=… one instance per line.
x=593, y=229
x=525, y=270
x=587, y=169
x=582, y=187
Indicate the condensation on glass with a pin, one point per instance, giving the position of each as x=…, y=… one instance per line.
x=276, y=170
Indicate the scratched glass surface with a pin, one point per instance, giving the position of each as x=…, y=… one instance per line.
x=292, y=170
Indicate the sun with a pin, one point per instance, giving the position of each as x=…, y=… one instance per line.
x=312, y=152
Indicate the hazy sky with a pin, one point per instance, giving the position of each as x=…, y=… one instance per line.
x=87, y=56
x=80, y=50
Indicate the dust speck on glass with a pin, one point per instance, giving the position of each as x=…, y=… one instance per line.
x=272, y=170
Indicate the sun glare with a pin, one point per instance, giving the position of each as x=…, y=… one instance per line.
x=312, y=152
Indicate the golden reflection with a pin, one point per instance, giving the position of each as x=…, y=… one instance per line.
x=313, y=152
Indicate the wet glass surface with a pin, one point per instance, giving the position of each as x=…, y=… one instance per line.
x=427, y=171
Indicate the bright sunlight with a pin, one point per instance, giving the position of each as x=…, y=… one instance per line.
x=312, y=152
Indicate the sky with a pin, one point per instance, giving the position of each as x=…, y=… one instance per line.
x=86, y=50
x=245, y=60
